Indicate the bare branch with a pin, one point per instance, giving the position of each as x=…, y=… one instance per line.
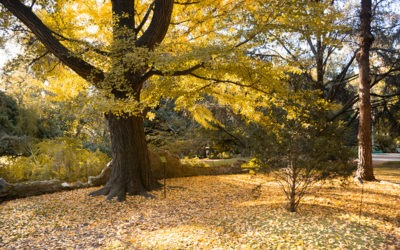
x=345, y=107
x=38, y=58
x=252, y=86
x=385, y=96
x=90, y=46
x=32, y=4
x=181, y=22
x=186, y=71
x=282, y=43
x=186, y=3
x=54, y=67
x=312, y=47
x=340, y=78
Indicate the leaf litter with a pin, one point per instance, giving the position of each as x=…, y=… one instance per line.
x=208, y=212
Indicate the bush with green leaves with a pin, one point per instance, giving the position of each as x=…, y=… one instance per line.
x=384, y=137
x=62, y=158
x=9, y=113
x=306, y=147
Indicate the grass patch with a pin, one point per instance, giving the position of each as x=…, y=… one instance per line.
x=388, y=171
x=197, y=162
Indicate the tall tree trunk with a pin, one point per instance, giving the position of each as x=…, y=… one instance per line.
x=131, y=172
x=365, y=168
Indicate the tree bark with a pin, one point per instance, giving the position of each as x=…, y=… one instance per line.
x=365, y=168
x=10, y=191
x=320, y=65
x=131, y=171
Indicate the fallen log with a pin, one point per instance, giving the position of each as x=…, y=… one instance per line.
x=9, y=191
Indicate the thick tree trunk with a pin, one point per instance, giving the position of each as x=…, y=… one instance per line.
x=131, y=172
x=365, y=169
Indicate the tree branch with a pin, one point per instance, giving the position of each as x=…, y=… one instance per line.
x=145, y=18
x=385, y=96
x=178, y=72
x=354, y=99
x=230, y=82
x=185, y=3
x=232, y=135
x=38, y=58
x=45, y=35
x=340, y=78
x=89, y=46
x=158, y=27
x=32, y=4
x=312, y=47
x=345, y=107
x=380, y=77
x=153, y=72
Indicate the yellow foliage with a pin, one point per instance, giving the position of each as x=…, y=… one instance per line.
x=213, y=36
x=205, y=117
x=62, y=158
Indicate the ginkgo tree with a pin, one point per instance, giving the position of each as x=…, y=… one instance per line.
x=122, y=76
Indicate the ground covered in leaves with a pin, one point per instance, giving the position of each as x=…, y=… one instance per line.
x=208, y=212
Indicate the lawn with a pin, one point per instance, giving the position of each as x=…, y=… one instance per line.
x=209, y=212
x=388, y=171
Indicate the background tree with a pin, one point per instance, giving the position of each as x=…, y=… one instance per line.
x=19, y=127
x=385, y=65
x=365, y=168
x=11, y=143
x=386, y=119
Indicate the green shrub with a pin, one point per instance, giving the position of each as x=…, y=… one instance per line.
x=385, y=143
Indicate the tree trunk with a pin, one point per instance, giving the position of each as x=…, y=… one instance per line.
x=131, y=172
x=320, y=65
x=365, y=169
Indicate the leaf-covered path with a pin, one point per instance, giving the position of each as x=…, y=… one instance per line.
x=210, y=212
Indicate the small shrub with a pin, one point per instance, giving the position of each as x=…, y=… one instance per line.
x=307, y=147
x=193, y=162
x=256, y=165
x=62, y=159
x=385, y=143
